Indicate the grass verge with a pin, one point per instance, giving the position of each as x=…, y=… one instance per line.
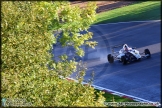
x=114, y=98
x=149, y=10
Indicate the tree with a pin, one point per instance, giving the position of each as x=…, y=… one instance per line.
x=27, y=38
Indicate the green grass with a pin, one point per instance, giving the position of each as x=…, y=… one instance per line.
x=149, y=10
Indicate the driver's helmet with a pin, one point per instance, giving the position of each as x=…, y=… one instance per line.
x=125, y=47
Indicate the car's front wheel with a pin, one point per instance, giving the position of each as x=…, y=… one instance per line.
x=123, y=58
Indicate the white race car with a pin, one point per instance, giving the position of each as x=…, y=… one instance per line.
x=127, y=54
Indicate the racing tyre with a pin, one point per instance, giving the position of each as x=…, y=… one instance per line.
x=139, y=59
x=123, y=58
x=110, y=58
x=147, y=52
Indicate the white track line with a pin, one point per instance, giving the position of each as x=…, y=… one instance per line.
x=128, y=22
x=114, y=92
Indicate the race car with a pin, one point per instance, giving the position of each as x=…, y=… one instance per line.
x=127, y=54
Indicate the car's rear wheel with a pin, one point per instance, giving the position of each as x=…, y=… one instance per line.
x=147, y=53
x=123, y=58
x=110, y=58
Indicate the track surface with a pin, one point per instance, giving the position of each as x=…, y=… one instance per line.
x=140, y=79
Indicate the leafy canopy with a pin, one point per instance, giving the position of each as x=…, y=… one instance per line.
x=27, y=39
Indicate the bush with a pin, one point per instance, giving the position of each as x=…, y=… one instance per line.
x=26, y=41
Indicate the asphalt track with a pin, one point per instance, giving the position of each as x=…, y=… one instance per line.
x=140, y=79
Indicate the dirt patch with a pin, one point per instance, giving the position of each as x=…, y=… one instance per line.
x=104, y=5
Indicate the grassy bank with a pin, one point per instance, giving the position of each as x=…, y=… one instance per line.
x=149, y=10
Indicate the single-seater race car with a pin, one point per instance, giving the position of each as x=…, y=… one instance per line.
x=127, y=54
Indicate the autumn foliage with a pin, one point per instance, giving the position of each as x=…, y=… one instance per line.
x=27, y=38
